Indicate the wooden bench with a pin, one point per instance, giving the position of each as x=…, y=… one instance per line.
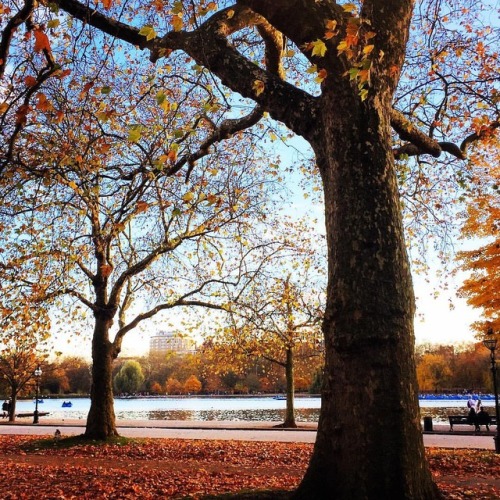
x=464, y=420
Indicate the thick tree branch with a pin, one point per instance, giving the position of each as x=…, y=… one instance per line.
x=408, y=132
x=103, y=23
x=282, y=14
x=209, y=47
x=420, y=143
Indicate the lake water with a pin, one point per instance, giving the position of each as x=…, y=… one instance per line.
x=220, y=408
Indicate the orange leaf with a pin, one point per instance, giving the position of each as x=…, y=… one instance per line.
x=22, y=114
x=43, y=103
x=172, y=156
x=141, y=206
x=106, y=270
x=41, y=41
x=85, y=89
x=64, y=73
x=107, y=4
x=30, y=81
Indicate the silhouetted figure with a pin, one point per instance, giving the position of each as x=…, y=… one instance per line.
x=472, y=419
x=482, y=418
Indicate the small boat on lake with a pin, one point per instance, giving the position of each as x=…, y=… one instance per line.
x=67, y=404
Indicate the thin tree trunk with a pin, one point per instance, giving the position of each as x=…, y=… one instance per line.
x=290, y=390
x=13, y=403
x=369, y=443
x=101, y=423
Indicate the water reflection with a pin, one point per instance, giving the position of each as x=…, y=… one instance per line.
x=254, y=415
x=216, y=408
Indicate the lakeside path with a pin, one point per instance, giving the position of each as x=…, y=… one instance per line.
x=231, y=430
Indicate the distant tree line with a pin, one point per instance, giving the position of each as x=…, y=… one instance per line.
x=448, y=368
x=174, y=374
x=440, y=368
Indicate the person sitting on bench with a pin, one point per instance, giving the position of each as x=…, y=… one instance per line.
x=472, y=419
x=482, y=418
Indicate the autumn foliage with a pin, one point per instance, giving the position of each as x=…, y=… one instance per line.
x=172, y=468
x=483, y=262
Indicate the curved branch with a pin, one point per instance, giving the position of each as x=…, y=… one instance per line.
x=9, y=30
x=477, y=136
x=72, y=293
x=226, y=130
x=420, y=143
x=408, y=132
x=162, y=307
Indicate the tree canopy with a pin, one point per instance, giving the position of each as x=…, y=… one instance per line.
x=398, y=101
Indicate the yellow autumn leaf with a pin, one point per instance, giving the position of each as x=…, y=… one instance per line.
x=188, y=197
x=342, y=46
x=318, y=48
x=53, y=23
x=148, y=31
x=368, y=49
x=230, y=13
x=350, y=7
x=258, y=86
x=134, y=133
x=103, y=116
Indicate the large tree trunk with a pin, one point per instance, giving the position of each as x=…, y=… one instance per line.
x=101, y=418
x=369, y=443
x=290, y=390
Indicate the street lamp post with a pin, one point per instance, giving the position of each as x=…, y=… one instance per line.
x=491, y=343
x=37, y=373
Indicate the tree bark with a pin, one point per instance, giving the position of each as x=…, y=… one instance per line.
x=369, y=442
x=101, y=418
x=290, y=390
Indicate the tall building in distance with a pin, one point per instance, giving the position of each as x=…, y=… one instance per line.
x=168, y=341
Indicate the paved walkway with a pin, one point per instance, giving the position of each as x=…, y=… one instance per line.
x=231, y=430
